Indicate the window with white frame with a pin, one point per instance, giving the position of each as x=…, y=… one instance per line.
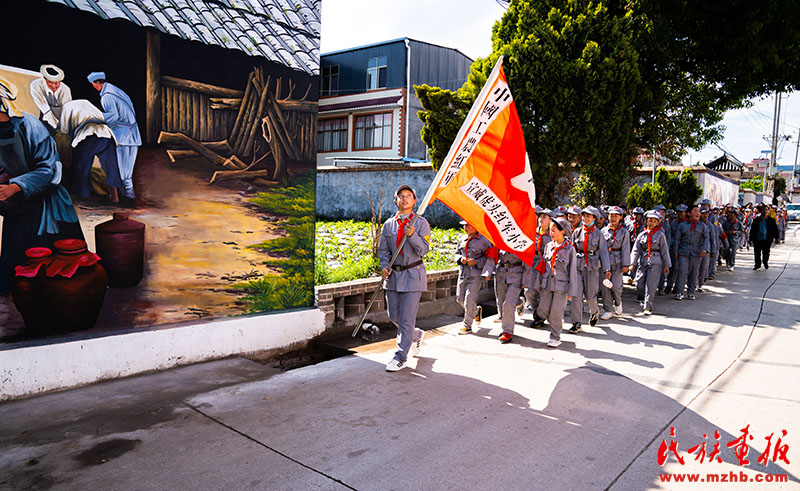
x=376, y=73
x=373, y=131
x=330, y=80
x=332, y=135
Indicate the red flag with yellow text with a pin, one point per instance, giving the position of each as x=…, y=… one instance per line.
x=486, y=177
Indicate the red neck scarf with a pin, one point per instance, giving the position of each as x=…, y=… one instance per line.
x=555, y=254
x=401, y=230
x=466, y=246
x=586, y=231
x=539, y=242
x=650, y=238
x=694, y=224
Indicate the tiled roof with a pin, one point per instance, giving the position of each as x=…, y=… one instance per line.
x=281, y=31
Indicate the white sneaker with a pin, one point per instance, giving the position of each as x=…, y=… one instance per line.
x=618, y=309
x=395, y=365
x=607, y=315
x=498, y=320
x=417, y=344
x=553, y=343
x=647, y=312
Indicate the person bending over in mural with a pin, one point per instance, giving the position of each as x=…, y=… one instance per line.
x=36, y=209
x=121, y=118
x=406, y=279
x=91, y=138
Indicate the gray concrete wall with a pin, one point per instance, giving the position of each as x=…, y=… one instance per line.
x=345, y=193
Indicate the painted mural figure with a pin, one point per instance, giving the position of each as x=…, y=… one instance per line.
x=36, y=209
x=50, y=93
x=120, y=116
x=90, y=137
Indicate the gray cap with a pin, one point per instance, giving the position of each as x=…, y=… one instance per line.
x=592, y=211
x=659, y=207
x=681, y=208
x=574, y=210
x=638, y=210
x=406, y=186
x=652, y=214
x=538, y=209
x=564, y=224
x=616, y=209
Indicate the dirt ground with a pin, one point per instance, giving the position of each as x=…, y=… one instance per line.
x=195, y=246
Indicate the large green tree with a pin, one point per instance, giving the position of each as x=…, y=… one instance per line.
x=590, y=78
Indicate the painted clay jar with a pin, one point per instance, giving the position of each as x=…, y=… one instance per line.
x=73, y=288
x=120, y=244
x=25, y=293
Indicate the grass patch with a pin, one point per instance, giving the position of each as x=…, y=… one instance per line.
x=295, y=286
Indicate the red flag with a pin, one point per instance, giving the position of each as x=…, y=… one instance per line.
x=486, y=177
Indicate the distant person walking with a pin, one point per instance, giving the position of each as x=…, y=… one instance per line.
x=763, y=232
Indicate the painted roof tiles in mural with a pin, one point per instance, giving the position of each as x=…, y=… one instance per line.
x=286, y=32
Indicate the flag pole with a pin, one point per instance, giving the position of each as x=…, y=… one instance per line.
x=436, y=181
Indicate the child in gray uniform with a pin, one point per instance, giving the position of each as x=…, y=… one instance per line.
x=507, y=288
x=592, y=251
x=619, y=255
x=473, y=269
x=560, y=281
x=651, y=251
x=406, y=279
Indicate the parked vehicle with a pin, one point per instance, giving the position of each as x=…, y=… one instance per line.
x=793, y=211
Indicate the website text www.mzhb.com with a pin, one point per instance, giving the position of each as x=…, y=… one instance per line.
x=732, y=476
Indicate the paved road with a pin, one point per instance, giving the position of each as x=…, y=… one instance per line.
x=469, y=413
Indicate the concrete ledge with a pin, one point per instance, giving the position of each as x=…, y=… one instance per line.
x=35, y=369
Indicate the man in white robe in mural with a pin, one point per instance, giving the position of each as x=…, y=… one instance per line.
x=120, y=116
x=50, y=93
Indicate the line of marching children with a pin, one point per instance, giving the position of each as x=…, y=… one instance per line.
x=583, y=254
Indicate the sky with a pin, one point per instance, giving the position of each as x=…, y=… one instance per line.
x=466, y=25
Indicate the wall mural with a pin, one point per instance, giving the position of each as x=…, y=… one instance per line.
x=156, y=163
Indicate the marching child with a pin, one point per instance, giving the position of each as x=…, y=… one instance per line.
x=619, y=254
x=651, y=253
x=559, y=282
x=474, y=267
x=592, y=251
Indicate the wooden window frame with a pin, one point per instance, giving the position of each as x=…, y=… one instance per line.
x=391, y=129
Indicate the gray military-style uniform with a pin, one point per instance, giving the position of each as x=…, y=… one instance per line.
x=405, y=284
x=709, y=261
x=559, y=281
x=531, y=277
x=667, y=229
x=651, y=263
x=619, y=254
x=733, y=231
x=470, y=277
x=691, y=239
x=507, y=287
x=588, y=266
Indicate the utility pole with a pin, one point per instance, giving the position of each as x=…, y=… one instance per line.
x=794, y=167
x=769, y=178
x=654, y=166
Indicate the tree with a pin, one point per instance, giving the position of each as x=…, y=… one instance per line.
x=646, y=195
x=754, y=183
x=780, y=186
x=596, y=83
x=690, y=191
x=445, y=112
